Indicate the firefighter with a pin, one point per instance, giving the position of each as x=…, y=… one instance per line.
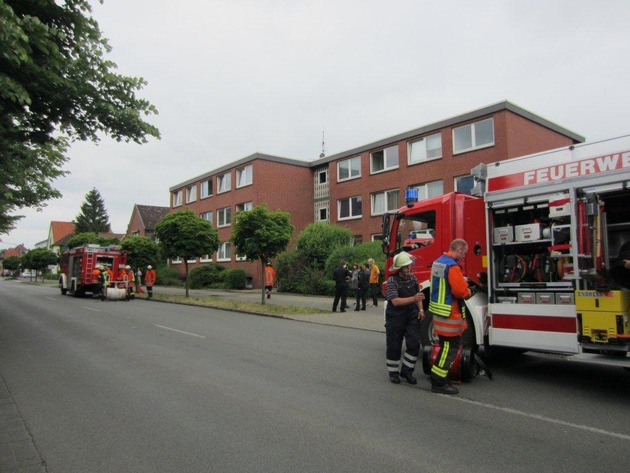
x=402, y=319
x=149, y=280
x=446, y=305
x=97, y=280
x=270, y=279
x=103, y=282
x=126, y=275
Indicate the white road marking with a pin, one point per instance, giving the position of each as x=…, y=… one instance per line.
x=90, y=308
x=51, y=298
x=180, y=331
x=544, y=418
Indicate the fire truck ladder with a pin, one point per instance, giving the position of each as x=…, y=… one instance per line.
x=89, y=267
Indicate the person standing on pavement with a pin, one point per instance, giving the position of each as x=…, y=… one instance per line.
x=363, y=286
x=355, y=281
x=149, y=280
x=98, y=281
x=270, y=279
x=374, y=276
x=341, y=276
x=402, y=319
x=446, y=305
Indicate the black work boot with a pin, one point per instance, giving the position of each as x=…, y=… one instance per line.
x=441, y=386
x=408, y=376
x=394, y=378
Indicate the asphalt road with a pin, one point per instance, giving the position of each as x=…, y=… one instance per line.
x=96, y=386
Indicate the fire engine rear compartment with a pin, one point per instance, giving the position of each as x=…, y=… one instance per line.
x=550, y=257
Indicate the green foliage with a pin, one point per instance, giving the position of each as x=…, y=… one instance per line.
x=296, y=276
x=167, y=276
x=81, y=239
x=360, y=253
x=141, y=252
x=56, y=86
x=183, y=234
x=208, y=275
x=93, y=217
x=318, y=240
x=261, y=234
x=39, y=259
x=235, y=279
x=12, y=263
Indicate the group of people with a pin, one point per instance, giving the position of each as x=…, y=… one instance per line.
x=406, y=309
x=364, y=280
x=103, y=277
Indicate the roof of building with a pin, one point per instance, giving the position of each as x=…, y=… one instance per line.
x=472, y=115
x=240, y=162
x=465, y=117
x=150, y=215
x=60, y=230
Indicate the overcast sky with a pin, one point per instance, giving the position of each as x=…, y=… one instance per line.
x=235, y=77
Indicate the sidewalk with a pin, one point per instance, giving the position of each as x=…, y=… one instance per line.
x=369, y=319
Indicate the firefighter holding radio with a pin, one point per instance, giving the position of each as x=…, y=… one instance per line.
x=446, y=305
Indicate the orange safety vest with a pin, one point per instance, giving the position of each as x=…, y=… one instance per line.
x=149, y=277
x=270, y=276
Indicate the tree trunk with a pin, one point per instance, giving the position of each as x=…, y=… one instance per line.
x=262, y=271
x=186, y=267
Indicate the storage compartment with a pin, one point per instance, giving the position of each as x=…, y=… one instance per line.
x=504, y=234
x=530, y=232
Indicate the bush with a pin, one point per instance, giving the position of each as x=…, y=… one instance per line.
x=209, y=275
x=167, y=276
x=235, y=279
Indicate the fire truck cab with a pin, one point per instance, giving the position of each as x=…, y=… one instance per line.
x=77, y=265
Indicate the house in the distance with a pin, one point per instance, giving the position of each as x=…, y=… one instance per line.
x=143, y=220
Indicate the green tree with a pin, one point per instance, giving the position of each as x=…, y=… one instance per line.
x=317, y=241
x=56, y=87
x=92, y=217
x=80, y=239
x=261, y=234
x=39, y=259
x=12, y=263
x=183, y=234
x=141, y=252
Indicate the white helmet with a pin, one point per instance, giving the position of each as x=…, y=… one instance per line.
x=149, y=267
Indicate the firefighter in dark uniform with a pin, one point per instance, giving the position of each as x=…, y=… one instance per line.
x=341, y=275
x=446, y=305
x=402, y=319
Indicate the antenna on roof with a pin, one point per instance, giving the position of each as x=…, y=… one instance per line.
x=323, y=155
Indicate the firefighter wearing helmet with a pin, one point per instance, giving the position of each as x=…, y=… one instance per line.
x=402, y=319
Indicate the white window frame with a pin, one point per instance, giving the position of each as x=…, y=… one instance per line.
x=324, y=172
x=386, y=166
x=245, y=176
x=224, y=253
x=209, y=216
x=205, y=259
x=354, y=169
x=178, y=198
x=427, y=190
x=470, y=132
x=177, y=260
x=419, y=151
x=351, y=216
x=244, y=207
x=191, y=194
x=376, y=237
x=384, y=195
x=221, y=215
x=224, y=182
x=206, y=188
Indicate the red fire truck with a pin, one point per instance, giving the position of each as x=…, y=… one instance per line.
x=77, y=265
x=544, y=235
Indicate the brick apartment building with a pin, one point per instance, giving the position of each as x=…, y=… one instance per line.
x=354, y=188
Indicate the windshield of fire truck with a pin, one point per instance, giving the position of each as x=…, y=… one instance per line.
x=416, y=231
x=105, y=260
